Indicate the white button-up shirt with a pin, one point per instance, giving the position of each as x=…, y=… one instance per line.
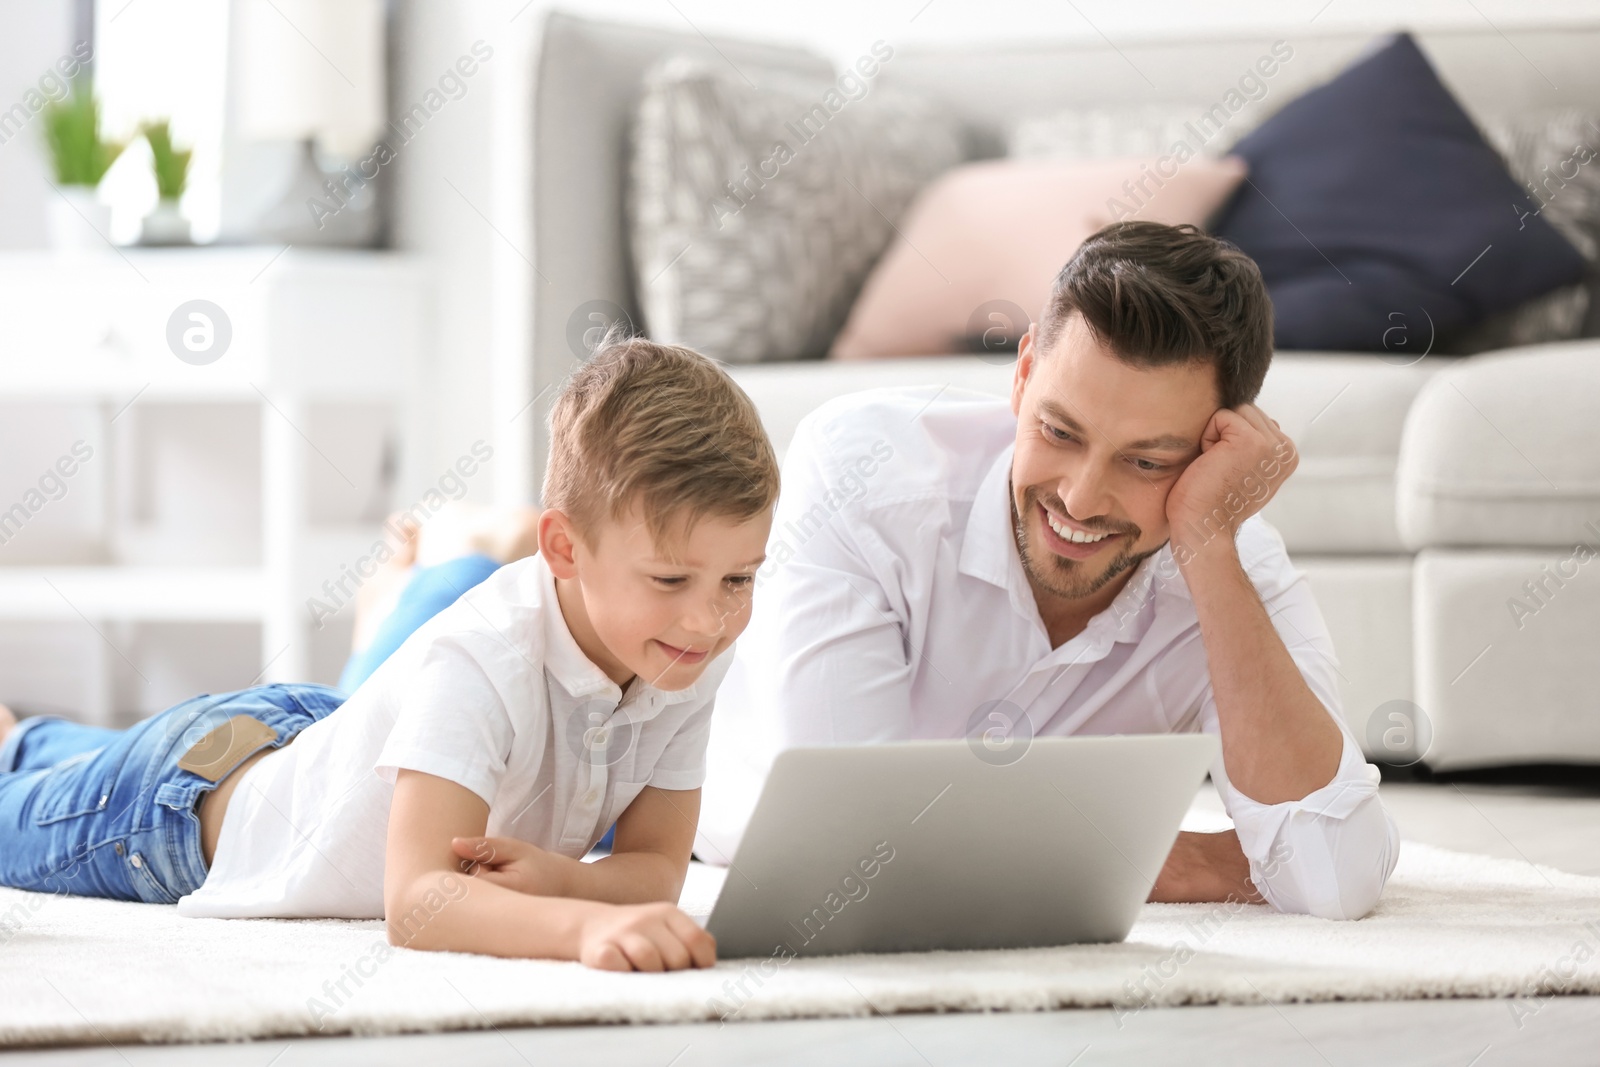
x=894, y=605
x=494, y=694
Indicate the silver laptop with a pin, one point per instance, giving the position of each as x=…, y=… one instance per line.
x=930, y=845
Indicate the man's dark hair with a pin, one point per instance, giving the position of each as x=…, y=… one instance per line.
x=1157, y=295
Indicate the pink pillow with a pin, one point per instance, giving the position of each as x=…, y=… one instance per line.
x=1002, y=230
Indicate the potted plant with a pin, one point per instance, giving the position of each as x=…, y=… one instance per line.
x=165, y=225
x=80, y=156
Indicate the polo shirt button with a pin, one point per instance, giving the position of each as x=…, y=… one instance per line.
x=591, y=797
x=602, y=736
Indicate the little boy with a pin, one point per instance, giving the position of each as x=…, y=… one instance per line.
x=567, y=691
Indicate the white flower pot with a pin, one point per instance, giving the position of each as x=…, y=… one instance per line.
x=77, y=220
x=165, y=225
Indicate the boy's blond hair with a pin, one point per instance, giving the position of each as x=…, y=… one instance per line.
x=661, y=426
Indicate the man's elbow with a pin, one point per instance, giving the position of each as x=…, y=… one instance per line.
x=1360, y=853
x=1353, y=898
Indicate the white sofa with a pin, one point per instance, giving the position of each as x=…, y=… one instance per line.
x=1428, y=494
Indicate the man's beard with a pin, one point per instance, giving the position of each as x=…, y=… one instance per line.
x=1063, y=577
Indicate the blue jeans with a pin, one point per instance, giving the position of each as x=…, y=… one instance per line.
x=109, y=813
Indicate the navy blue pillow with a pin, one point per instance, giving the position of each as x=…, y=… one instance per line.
x=1373, y=204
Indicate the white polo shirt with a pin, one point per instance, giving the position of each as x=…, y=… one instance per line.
x=492, y=693
x=895, y=606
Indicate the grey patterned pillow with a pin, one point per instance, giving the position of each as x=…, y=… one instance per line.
x=1556, y=158
x=755, y=214
x=1130, y=130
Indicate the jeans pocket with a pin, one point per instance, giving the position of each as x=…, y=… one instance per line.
x=73, y=788
x=144, y=882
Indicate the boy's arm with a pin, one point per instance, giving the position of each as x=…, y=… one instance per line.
x=650, y=854
x=647, y=862
x=430, y=904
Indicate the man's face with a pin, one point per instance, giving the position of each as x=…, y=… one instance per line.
x=1100, y=444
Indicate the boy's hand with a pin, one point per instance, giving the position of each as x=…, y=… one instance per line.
x=644, y=937
x=505, y=861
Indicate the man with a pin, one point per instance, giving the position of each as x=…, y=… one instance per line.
x=1085, y=559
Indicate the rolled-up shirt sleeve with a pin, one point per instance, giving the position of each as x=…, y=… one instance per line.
x=1331, y=852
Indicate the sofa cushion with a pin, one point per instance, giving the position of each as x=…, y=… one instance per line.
x=1375, y=194
x=1500, y=449
x=1367, y=603
x=785, y=393
x=984, y=243
x=757, y=212
x=1345, y=414
x=1506, y=670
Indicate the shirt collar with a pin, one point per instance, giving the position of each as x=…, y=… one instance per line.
x=582, y=677
x=989, y=545
x=989, y=552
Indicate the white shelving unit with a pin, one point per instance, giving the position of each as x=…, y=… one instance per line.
x=309, y=330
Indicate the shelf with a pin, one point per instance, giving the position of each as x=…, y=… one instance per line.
x=306, y=331
x=147, y=594
x=229, y=264
x=322, y=326
x=113, y=382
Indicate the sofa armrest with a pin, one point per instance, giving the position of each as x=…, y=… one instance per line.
x=1504, y=449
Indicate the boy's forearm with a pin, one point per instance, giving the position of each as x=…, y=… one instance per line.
x=628, y=878
x=446, y=912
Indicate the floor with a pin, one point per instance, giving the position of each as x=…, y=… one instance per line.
x=1545, y=815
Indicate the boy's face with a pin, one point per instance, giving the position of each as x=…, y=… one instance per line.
x=659, y=612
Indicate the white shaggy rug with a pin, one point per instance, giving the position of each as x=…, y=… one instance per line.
x=77, y=971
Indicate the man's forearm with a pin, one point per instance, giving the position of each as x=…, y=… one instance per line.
x=1205, y=867
x=1278, y=741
